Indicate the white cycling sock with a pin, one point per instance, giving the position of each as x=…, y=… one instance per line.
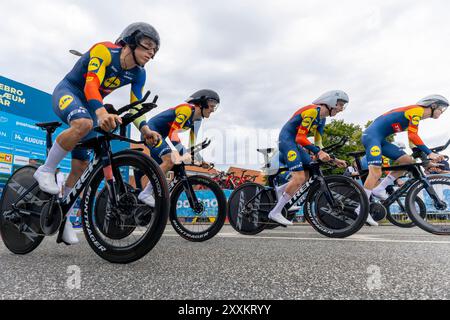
x=389, y=180
x=368, y=192
x=280, y=190
x=148, y=189
x=55, y=156
x=67, y=190
x=282, y=202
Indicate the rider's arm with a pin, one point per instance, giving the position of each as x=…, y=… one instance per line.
x=192, y=139
x=137, y=88
x=308, y=118
x=182, y=115
x=99, y=59
x=318, y=141
x=413, y=131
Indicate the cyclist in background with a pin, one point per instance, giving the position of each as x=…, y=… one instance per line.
x=186, y=116
x=78, y=101
x=294, y=145
x=395, y=121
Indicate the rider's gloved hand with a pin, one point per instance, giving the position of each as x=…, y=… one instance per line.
x=152, y=138
x=323, y=156
x=107, y=121
x=340, y=163
x=436, y=157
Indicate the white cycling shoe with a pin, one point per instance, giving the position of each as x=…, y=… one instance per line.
x=146, y=196
x=369, y=220
x=278, y=217
x=47, y=182
x=69, y=236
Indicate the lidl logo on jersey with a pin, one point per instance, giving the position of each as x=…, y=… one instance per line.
x=306, y=122
x=65, y=101
x=415, y=120
x=159, y=143
x=181, y=118
x=112, y=82
x=292, y=156
x=94, y=64
x=375, y=151
x=6, y=158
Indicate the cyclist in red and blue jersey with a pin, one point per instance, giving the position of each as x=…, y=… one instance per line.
x=395, y=121
x=78, y=101
x=169, y=123
x=294, y=144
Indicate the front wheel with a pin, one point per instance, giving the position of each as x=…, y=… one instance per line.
x=436, y=197
x=128, y=231
x=202, y=219
x=342, y=219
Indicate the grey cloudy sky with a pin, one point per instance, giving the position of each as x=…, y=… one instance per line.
x=265, y=58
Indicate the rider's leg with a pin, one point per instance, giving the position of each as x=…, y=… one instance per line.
x=374, y=160
x=79, y=163
x=65, y=143
x=393, y=152
x=77, y=169
x=162, y=155
x=294, y=157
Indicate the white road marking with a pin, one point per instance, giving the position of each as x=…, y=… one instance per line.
x=354, y=238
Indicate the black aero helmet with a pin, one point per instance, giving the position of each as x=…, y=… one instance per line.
x=201, y=97
x=135, y=32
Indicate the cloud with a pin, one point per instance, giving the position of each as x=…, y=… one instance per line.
x=266, y=58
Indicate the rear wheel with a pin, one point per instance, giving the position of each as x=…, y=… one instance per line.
x=22, y=234
x=248, y=208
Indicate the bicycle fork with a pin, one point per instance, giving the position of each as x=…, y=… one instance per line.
x=110, y=184
x=438, y=203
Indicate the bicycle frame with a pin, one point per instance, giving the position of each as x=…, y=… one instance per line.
x=299, y=197
x=418, y=175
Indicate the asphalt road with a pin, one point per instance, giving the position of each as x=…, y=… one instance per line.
x=295, y=263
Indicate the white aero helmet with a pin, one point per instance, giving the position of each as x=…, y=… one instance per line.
x=331, y=98
x=433, y=99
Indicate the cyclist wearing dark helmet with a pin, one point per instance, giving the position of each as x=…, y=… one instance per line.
x=78, y=101
x=186, y=116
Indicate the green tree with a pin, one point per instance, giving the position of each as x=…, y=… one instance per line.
x=337, y=129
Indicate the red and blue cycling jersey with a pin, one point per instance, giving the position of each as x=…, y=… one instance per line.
x=395, y=121
x=400, y=120
x=95, y=75
x=169, y=123
x=295, y=133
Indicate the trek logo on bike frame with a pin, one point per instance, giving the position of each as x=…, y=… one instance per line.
x=80, y=182
x=300, y=192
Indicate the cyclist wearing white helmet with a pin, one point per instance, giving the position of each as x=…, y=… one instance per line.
x=395, y=121
x=293, y=141
x=78, y=101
